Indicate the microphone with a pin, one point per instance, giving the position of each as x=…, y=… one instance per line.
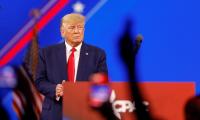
x=139, y=39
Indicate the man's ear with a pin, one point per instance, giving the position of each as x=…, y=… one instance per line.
x=62, y=31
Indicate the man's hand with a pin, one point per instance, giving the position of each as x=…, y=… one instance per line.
x=59, y=90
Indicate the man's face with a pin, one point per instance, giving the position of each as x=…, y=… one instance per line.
x=73, y=33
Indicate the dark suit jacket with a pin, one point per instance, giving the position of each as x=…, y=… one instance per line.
x=52, y=69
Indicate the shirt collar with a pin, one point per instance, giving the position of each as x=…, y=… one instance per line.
x=78, y=48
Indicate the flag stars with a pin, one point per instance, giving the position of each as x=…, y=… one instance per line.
x=78, y=7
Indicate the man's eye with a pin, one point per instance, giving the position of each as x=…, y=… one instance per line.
x=71, y=27
x=80, y=27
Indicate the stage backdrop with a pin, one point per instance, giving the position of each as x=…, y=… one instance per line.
x=169, y=52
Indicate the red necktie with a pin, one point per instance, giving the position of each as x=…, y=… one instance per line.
x=71, y=66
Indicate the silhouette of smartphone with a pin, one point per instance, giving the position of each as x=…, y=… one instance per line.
x=99, y=94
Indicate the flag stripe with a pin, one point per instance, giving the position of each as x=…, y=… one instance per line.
x=26, y=27
x=51, y=13
x=27, y=37
x=37, y=97
x=17, y=110
x=95, y=9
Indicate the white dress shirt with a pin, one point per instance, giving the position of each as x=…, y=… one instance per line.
x=76, y=56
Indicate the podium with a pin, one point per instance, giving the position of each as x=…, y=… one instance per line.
x=164, y=100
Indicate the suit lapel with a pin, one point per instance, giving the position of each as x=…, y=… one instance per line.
x=61, y=60
x=82, y=62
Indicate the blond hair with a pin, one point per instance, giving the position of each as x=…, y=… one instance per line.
x=72, y=18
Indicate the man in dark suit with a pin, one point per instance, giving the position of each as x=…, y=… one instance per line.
x=70, y=61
